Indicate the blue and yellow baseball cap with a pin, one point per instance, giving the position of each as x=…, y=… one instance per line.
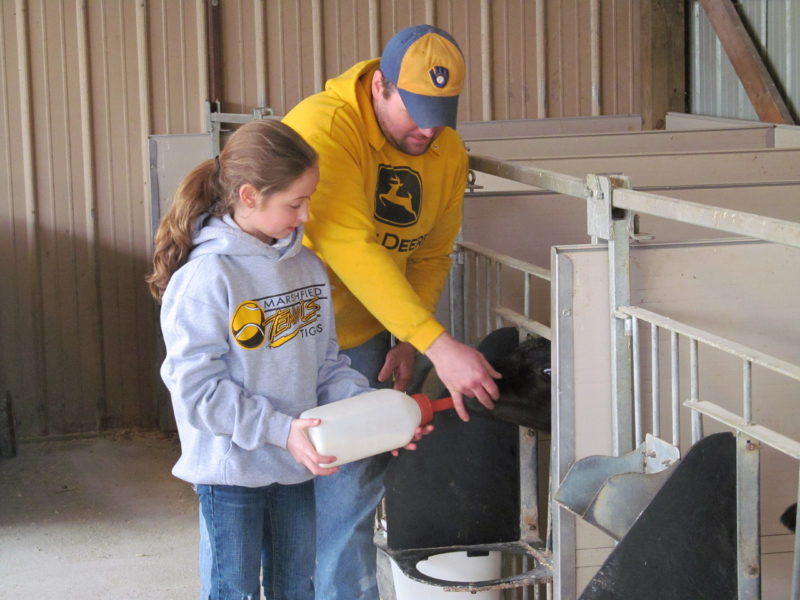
x=427, y=67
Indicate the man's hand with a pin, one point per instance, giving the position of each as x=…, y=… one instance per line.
x=464, y=371
x=399, y=364
x=418, y=433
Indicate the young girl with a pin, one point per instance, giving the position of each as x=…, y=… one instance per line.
x=248, y=327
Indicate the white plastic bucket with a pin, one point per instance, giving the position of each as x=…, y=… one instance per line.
x=451, y=566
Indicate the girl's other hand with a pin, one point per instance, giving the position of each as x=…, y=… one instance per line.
x=303, y=451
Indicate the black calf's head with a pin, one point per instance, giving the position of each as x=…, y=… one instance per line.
x=789, y=517
x=525, y=386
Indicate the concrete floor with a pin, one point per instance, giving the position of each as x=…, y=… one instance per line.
x=97, y=518
x=102, y=518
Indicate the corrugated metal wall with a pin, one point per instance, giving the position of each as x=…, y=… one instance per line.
x=83, y=83
x=715, y=88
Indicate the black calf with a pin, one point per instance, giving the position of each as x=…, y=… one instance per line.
x=789, y=517
x=525, y=386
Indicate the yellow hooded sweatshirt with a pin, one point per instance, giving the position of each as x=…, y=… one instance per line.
x=383, y=221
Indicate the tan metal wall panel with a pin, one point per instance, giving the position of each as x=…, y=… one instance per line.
x=59, y=215
x=345, y=31
x=85, y=82
x=620, y=57
x=238, y=47
x=716, y=88
x=17, y=255
x=514, y=82
x=178, y=91
x=122, y=223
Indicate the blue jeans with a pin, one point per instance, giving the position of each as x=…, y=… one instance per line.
x=346, y=501
x=250, y=529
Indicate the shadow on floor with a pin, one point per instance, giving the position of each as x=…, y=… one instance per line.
x=97, y=518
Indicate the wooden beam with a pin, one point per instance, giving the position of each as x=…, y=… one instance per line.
x=747, y=62
x=663, y=58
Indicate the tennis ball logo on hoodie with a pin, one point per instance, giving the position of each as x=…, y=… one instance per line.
x=398, y=196
x=277, y=319
x=247, y=325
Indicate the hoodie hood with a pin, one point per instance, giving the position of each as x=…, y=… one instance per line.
x=222, y=236
x=354, y=89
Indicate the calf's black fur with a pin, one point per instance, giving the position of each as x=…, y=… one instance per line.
x=525, y=386
x=789, y=517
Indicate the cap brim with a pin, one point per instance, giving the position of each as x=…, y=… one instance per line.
x=431, y=111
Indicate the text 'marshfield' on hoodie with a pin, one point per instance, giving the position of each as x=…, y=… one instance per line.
x=251, y=343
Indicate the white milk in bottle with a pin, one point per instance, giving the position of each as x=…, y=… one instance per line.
x=370, y=423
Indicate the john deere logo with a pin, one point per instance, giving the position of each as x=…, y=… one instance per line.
x=398, y=196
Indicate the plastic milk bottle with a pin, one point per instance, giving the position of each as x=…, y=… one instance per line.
x=370, y=423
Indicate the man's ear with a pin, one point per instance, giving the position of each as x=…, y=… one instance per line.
x=248, y=195
x=377, y=83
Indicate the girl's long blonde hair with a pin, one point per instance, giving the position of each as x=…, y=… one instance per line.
x=264, y=153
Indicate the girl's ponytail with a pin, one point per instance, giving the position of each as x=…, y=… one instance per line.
x=195, y=196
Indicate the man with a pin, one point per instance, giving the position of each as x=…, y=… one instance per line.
x=384, y=218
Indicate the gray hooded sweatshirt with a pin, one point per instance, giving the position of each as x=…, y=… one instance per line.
x=251, y=343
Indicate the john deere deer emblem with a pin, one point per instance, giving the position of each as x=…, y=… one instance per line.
x=398, y=196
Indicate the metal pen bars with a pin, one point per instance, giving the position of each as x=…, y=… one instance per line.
x=480, y=272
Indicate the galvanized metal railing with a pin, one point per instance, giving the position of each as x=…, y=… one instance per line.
x=478, y=281
x=610, y=207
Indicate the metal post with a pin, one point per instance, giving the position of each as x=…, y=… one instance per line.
x=606, y=222
x=498, y=283
x=747, y=391
x=654, y=380
x=562, y=444
x=457, y=295
x=796, y=563
x=637, y=384
x=747, y=517
x=526, y=303
x=675, y=386
x=694, y=370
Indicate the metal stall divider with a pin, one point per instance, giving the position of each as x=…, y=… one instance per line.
x=749, y=435
x=611, y=205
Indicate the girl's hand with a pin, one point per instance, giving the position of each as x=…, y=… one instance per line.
x=418, y=433
x=303, y=451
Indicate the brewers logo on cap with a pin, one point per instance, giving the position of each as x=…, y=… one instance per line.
x=439, y=76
